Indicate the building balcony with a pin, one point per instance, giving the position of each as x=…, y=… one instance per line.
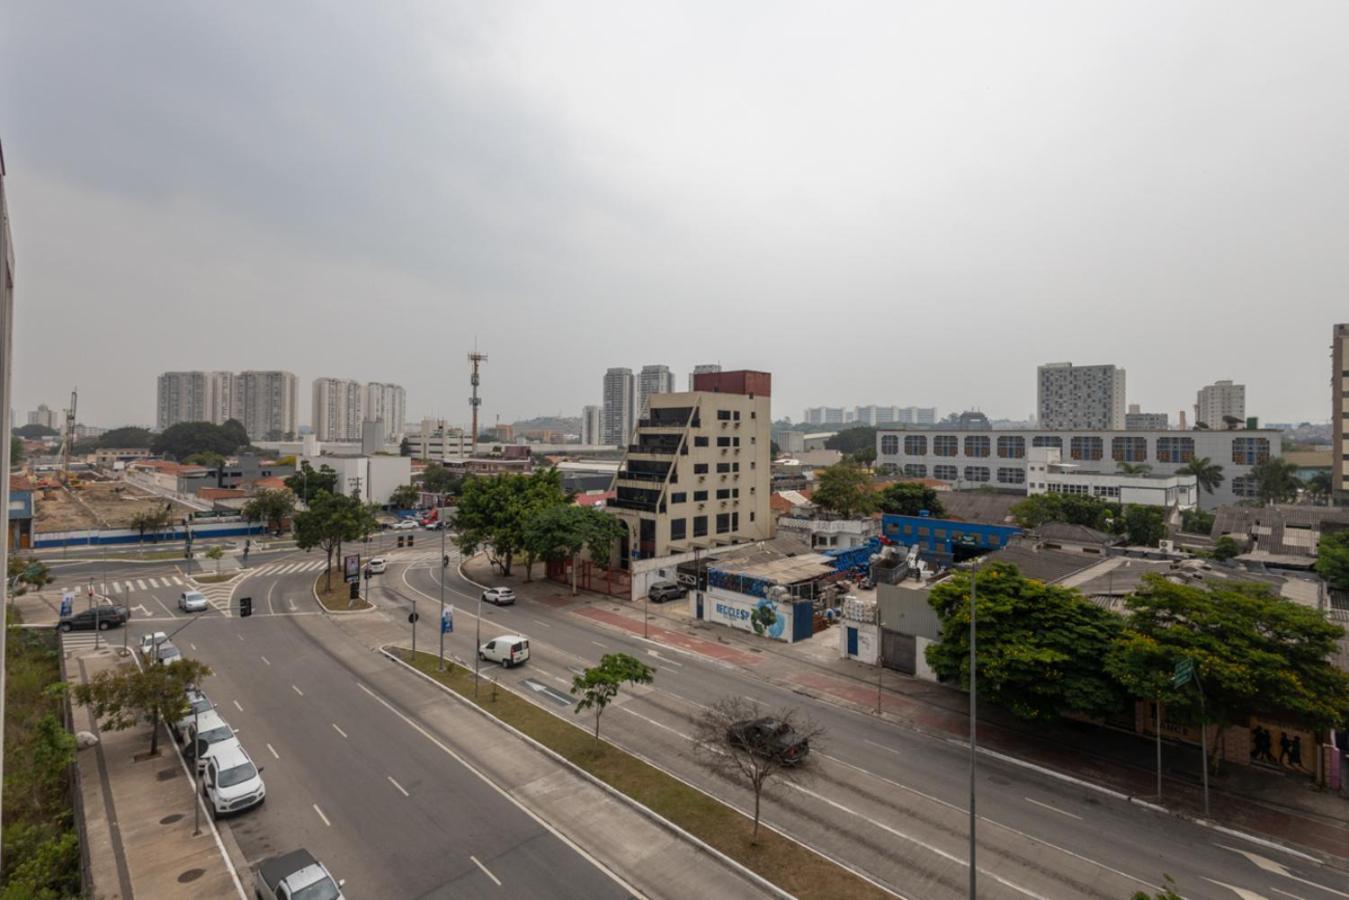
x=654, y=449
x=636, y=505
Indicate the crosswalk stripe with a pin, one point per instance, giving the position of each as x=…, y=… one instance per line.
x=177, y=580
x=141, y=584
x=127, y=587
x=153, y=583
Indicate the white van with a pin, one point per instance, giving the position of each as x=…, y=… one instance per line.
x=509, y=650
x=231, y=782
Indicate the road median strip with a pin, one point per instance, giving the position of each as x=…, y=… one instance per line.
x=776, y=859
x=337, y=598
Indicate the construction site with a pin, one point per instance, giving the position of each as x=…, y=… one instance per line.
x=87, y=503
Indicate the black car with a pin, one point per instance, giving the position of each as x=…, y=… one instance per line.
x=666, y=590
x=770, y=738
x=100, y=617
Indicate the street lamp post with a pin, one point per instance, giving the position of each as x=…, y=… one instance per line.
x=477, y=645
x=974, y=874
x=444, y=564
x=196, y=774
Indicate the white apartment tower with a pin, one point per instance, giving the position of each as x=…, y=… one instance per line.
x=197, y=397
x=703, y=369
x=337, y=412
x=592, y=426
x=386, y=403
x=653, y=380
x=618, y=406
x=1222, y=398
x=268, y=404
x=1080, y=397
x=1339, y=409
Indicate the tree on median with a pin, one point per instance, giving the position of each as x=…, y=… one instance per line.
x=753, y=757
x=27, y=572
x=330, y=520
x=216, y=552
x=121, y=698
x=599, y=685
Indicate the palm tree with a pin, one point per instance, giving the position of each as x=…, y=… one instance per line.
x=1208, y=473
x=1276, y=481
x=1126, y=468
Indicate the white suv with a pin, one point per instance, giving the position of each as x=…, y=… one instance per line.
x=509, y=650
x=501, y=596
x=205, y=733
x=197, y=702
x=231, y=782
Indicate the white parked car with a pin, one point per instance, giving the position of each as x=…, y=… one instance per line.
x=501, y=596
x=404, y=525
x=192, y=601
x=377, y=566
x=509, y=650
x=231, y=782
x=209, y=730
x=197, y=703
x=166, y=654
x=148, y=642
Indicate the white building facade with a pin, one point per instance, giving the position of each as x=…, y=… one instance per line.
x=653, y=380
x=387, y=403
x=1080, y=397
x=338, y=409
x=1046, y=473
x=1220, y=399
x=269, y=404
x=618, y=406
x=592, y=426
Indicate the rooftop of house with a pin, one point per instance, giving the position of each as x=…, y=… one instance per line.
x=1280, y=530
x=1062, y=532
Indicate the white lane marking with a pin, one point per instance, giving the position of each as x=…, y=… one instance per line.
x=401, y=789
x=297, y=690
x=337, y=729
x=598, y=644
x=269, y=662
x=177, y=580
x=194, y=646
x=882, y=746
x=668, y=662
x=241, y=637
x=546, y=625
x=486, y=871
x=163, y=607
x=237, y=706
x=152, y=582
x=1061, y=812
x=322, y=816
x=275, y=755
x=140, y=584
x=1286, y=894
x=1278, y=868
x=127, y=587
x=1240, y=892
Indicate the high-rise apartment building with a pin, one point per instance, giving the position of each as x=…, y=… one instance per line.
x=386, y=403
x=825, y=415
x=1339, y=380
x=1087, y=397
x=703, y=369
x=653, y=380
x=698, y=472
x=338, y=411
x=592, y=426
x=618, y=406
x=196, y=397
x=268, y=404
x=1219, y=400
x=45, y=416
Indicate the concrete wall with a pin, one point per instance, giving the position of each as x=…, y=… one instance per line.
x=868, y=641
x=906, y=610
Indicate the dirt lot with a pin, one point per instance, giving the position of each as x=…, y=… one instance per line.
x=97, y=504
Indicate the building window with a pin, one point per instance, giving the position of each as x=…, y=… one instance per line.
x=724, y=494
x=735, y=467
x=1011, y=446
x=723, y=523
x=681, y=497
x=1109, y=490
x=700, y=440
x=1047, y=440
x=700, y=468
x=889, y=444
x=915, y=445
x=976, y=473
x=723, y=467
x=1247, y=451
x=751, y=518
x=1011, y=476
x=700, y=526
x=1087, y=448
x=945, y=473
x=724, y=415
x=678, y=529
x=1129, y=449
x=723, y=442
x=699, y=496
x=1175, y=449
x=977, y=445
x=945, y=445
x=1246, y=487
x=915, y=470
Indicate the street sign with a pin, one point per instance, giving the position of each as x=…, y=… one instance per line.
x=413, y=617
x=1184, y=672
x=351, y=568
x=447, y=620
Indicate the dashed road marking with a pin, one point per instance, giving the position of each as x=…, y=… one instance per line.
x=1062, y=812
x=297, y=690
x=486, y=871
x=401, y=789
x=338, y=729
x=266, y=660
x=322, y=816
x=275, y=755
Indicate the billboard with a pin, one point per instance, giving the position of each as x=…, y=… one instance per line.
x=351, y=568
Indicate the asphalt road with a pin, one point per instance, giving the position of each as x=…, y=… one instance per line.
x=349, y=777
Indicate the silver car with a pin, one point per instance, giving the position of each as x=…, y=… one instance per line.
x=501, y=596
x=192, y=601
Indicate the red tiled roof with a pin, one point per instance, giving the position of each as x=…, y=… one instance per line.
x=595, y=498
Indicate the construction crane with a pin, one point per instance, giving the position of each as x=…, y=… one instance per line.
x=68, y=436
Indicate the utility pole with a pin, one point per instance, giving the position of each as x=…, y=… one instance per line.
x=475, y=401
x=974, y=752
x=444, y=564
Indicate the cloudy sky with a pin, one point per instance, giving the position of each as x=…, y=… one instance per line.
x=910, y=203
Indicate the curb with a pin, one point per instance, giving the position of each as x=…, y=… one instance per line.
x=607, y=788
x=463, y=575
x=314, y=590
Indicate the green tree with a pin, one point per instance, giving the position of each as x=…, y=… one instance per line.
x=1320, y=486
x=1207, y=473
x=1276, y=481
x=599, y=685
x=1167, y=891
x=405, y=448
x=123, y=697
x=1092, y=512
x=153, y=520
x=208, y=458
x=1254, y=652
x=405, y=496
x=1145, y=525
x=216, y=553
x=1225, y=548
x=1128, y=468
x=1196, y=521
x=437, y=479
x=34, y=431
x=1039, y=646
x=27, y=572
x=331, y=520
x=15, y=453
x=272, y=507
x=492, y=513
x=853, y=439
x=127, y=437
x=909, y=498
x=844, y=489
x=307, y=482
x=186, y=438
x=864, y=457
x=1332, y=559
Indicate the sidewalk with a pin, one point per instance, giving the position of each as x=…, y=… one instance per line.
x=1287, y=808
x=138, y=815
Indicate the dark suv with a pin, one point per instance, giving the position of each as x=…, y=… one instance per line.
x=666, y=590
x=100, y=617
x=769, y=737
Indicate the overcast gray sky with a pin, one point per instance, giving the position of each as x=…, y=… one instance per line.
x=910, y=203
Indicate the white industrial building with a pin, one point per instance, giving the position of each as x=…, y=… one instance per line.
x=1048, y=474
x=375, y=478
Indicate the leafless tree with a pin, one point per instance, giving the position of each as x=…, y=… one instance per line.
x=749, y=745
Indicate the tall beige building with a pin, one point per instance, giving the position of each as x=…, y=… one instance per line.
x=1219, y=400
x=1339, y=380
x=698, y=472
x=196, y=397
x=337, y=413
x=386, y=403
x=269, y=404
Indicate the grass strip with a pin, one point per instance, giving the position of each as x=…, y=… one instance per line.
x=784, y=862
x=338, y=598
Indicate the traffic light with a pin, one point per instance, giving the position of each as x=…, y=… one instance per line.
x=355, y=590
x=245, y=607
x=187, y=554
x=400, y=541
x=409, y=540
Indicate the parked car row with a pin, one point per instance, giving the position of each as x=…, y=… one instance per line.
x=230, y=781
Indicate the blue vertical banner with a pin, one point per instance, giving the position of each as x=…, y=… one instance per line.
x=67, y=603
x=447, y=620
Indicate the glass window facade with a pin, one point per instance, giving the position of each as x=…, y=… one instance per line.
x=1087, y=447
x=1011, y=446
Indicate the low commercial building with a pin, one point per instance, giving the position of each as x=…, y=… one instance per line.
x=375, y=478
x=1048, y=474
x=825, y=532
x=109, y=457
